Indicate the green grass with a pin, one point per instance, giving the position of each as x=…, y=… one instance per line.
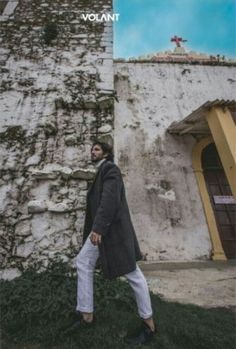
x=37, y=306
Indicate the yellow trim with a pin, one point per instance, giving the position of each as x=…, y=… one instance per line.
x=217, y=249
x=223, y=131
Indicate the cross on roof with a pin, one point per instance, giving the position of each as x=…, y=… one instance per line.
x=178, y=40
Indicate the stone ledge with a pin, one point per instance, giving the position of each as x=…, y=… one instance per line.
x=41, y=206
x=82, y=173
x=52, y=171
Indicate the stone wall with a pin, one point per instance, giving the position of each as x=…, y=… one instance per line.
x=56, y=97
x=161, y=186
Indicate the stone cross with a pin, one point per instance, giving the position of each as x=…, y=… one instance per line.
x=177, y=40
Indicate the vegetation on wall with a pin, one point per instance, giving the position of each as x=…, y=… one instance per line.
x=50, y=32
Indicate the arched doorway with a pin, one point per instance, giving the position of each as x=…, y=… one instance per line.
x=221, y=198
x=214, y=123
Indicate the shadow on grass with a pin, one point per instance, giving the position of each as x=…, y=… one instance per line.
x=36, y=307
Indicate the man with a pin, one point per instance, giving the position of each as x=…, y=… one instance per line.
x=109, y=233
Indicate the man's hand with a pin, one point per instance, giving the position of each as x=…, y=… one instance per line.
x=95, y=238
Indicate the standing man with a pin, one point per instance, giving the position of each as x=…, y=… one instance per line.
x=109, y=233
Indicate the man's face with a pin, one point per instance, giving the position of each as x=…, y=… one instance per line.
x=97, y=153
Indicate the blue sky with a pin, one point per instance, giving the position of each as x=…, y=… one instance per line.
x=146, y=26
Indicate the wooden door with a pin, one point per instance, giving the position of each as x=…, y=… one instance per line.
x=223, y=203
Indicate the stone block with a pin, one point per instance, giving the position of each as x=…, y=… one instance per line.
x=66, y=172
x=37, y=206
x=90, y=103
x=60, y=207
x=105, y=86
x=33, y=160
x=109, y=49
x=105, y=129
x=44, y=243
x=40, y=224
x=83, y=184
x=25, y=250
x=71, y=140
x=61, y=242
x=107, y=138
x=23, y=228
x=44, y=174
x=82, y=173
x=9, y=274
x=105, y=102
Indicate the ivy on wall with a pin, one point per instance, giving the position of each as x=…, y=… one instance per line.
x=50, y=32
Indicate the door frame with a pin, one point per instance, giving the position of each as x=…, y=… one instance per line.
x=217, y=248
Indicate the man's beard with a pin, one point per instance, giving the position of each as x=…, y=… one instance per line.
x=96, y=159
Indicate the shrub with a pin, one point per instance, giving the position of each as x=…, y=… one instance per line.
x=50, y=32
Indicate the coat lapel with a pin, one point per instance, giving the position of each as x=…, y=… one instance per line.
x=95, y=178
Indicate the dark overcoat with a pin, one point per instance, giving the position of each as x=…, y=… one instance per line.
x=108, y=214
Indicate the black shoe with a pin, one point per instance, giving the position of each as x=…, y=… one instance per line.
x=77, y=323
x=143, y=336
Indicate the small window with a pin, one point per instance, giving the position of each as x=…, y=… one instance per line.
x=210, y=158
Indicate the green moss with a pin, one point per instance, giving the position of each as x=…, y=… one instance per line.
x=50, y=32
x=12, y=135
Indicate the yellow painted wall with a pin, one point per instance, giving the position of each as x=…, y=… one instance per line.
x=223, y=131
x=217, y=249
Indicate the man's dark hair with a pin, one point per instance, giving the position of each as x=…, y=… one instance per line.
x=106, y=148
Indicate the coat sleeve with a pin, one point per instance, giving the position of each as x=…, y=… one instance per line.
x=110, y=200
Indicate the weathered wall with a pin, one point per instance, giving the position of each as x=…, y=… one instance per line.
x=56, y=96
x=161, y=186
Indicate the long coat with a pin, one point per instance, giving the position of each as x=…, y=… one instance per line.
x=108, y=214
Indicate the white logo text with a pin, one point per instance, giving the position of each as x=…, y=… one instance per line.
x=104, y=17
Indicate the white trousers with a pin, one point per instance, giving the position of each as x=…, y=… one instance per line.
x=86, y=262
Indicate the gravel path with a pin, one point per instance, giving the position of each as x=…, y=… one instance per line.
x=208, y=284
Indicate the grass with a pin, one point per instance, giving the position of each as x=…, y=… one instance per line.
x=37, y=306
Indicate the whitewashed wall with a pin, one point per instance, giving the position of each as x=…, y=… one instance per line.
x=55, y=97
x=161, y=186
